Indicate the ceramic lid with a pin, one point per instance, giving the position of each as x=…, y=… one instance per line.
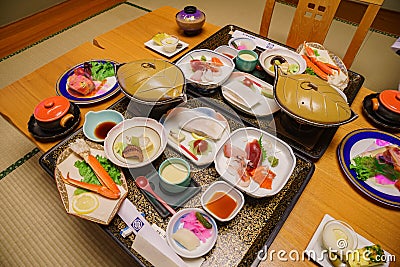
x=310, y=98
x=151, y=80
x=391, y=100
x=51, y=109
x=190, y=13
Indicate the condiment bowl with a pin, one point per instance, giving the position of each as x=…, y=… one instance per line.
x=98, y=123
x=174, y=175
x=221, y=194
x=227, y=51
x=242, y=43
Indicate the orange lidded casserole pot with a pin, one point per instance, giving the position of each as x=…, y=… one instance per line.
x=387, y=105
x=53, y=113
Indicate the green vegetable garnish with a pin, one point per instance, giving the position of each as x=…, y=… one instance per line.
x=203, y=220
x=316, y=53
x=102, y=70
x=90, y=177
x=263, y=152
x=203, y=58
x=273, y=161
x=310, y=71
x=368, y=166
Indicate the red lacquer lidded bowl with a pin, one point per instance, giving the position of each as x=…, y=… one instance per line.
x=53, y=112
x=387, y=104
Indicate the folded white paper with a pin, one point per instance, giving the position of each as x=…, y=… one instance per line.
x=148, y=242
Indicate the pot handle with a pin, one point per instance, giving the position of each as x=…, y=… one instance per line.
x=117, y=66
x=65, y=119
x=375, y=104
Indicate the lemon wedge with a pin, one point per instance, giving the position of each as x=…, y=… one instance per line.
x=198, y=137
x=85, y=203
x=159, y=37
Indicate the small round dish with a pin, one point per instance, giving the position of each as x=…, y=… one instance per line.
x=223, y=198
x=242, y=43
x=174, y=175
x=227, y=51
x=375, y=118
x=175, y=224
x=98, y=124
x=146, y=133
x=296, y=64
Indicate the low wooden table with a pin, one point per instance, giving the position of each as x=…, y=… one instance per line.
x=328, y=192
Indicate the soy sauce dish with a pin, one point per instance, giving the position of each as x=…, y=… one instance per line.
x=98, y=124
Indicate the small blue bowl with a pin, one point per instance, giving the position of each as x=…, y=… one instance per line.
x=98, y=124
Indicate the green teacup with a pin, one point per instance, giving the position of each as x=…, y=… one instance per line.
x=246, y=60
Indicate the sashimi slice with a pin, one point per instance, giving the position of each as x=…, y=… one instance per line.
x=204, y=126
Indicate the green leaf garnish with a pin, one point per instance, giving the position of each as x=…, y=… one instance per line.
x=263, y=152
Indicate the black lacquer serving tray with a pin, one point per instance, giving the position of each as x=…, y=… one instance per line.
x=312, y=142
x=239, y=240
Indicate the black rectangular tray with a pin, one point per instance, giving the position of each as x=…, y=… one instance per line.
x=311, y=142
x=240, y=240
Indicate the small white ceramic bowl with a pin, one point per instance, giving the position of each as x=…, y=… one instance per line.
x=98, y=123
x=290, y=56
x=227, y=51
x=228, y=189
x=242, y=43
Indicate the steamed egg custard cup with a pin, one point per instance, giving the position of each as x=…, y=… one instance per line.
x=174, y=175
x=246, y=60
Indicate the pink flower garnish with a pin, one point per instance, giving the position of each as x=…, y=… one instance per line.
x=380, y=179
x=382, y=142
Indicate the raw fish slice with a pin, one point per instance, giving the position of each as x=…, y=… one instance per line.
x=204, y=126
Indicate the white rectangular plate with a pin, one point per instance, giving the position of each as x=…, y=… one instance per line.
x=159, y=49
x=316, y=247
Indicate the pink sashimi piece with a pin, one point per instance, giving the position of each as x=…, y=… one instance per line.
x=191, y=223
x=242, y=47
x=380, y=179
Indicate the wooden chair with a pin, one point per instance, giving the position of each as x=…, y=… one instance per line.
x=312, y=20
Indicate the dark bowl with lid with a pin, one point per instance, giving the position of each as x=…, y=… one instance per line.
x=53, y=113
x=190, y=20
x=387, y=105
